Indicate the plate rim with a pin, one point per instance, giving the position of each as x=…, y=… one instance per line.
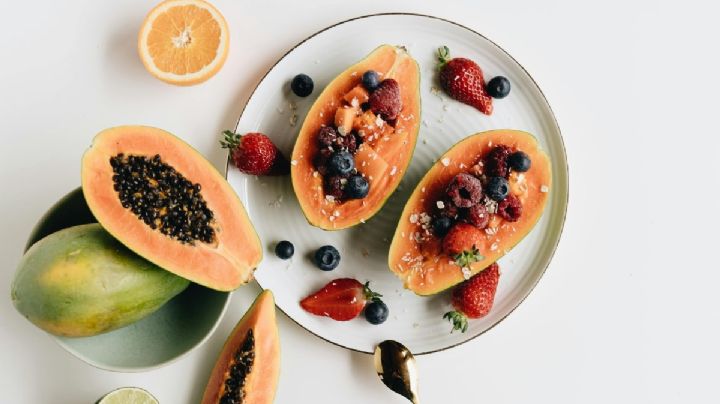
x=545, y=100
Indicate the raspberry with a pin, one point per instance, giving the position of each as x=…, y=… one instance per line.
x=495, y=164
x=510, y=208
x=321, y=160
x=449, y=209
x=327, y=136
x=348, y=143
x=478, y=216
x=334, y=186
x=465, y=190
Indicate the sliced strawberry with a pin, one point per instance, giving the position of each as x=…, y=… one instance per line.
x=462, y=79
x=342, y=299
x=385, y=100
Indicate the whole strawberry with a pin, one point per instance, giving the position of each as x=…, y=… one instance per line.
x=385, y=100
x=255, y=154
x=463, y=80
x=473, y=298
x=342, y=299
x=462, y=237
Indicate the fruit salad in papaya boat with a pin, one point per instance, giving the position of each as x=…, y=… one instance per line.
x=480, y=199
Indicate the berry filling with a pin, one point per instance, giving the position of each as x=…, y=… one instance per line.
x=368, y=114
x=476, y=202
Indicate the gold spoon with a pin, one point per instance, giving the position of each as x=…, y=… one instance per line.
x=396, y=366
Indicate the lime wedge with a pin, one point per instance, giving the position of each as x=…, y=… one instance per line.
x=128, y=395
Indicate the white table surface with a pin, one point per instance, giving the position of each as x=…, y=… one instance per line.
x=627, y=311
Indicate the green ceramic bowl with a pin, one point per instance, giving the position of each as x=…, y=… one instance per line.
x=182, y=324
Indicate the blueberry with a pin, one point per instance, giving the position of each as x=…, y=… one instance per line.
x=519, y=161
x=284, y=249
x=327, y=258
x=376, y=312
x=357, y=187
x=441, y=225
x=341, y=163
x=370, y=80
x=497, y=188
x=302, y=85
x=498, y=87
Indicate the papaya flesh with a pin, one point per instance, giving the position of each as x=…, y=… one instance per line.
x=385, y=153
x=248, y=369
x=80, y=281
x=164, y=201
x=416, y=256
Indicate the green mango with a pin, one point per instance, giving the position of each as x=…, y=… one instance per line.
x=80, y=281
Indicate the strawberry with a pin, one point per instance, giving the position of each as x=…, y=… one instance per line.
x=462, y=237
x=255, y=154
x=463, y=80
x=474, y=297
x=385, y=100
x=342, y=299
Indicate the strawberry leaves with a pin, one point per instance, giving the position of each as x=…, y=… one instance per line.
x=443, y=56
x=371, y=296
x=231, y=140
x=458, y=320
x=465, y=258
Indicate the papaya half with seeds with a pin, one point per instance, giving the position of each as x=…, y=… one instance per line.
x=80, y=282
x=248, y=369
x=416, y=255
x=167, y=203
x=386, y=146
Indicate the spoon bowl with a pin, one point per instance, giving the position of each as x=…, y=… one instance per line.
x=396, y=367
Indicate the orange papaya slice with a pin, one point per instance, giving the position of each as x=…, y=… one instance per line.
x=416, y=255
x=249, y=365
x=167, y=203
x=393, y=141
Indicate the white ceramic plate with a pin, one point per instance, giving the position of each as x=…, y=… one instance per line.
x=415, y=321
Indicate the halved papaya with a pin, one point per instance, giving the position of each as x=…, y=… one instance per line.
x=416, y=256
x=167, y=203
x=383, y=157
x=248, y=369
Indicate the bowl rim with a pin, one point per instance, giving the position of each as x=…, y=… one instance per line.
x=124, y=369
x=138, y=369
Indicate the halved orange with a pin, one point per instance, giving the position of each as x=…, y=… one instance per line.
x=183, y=42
